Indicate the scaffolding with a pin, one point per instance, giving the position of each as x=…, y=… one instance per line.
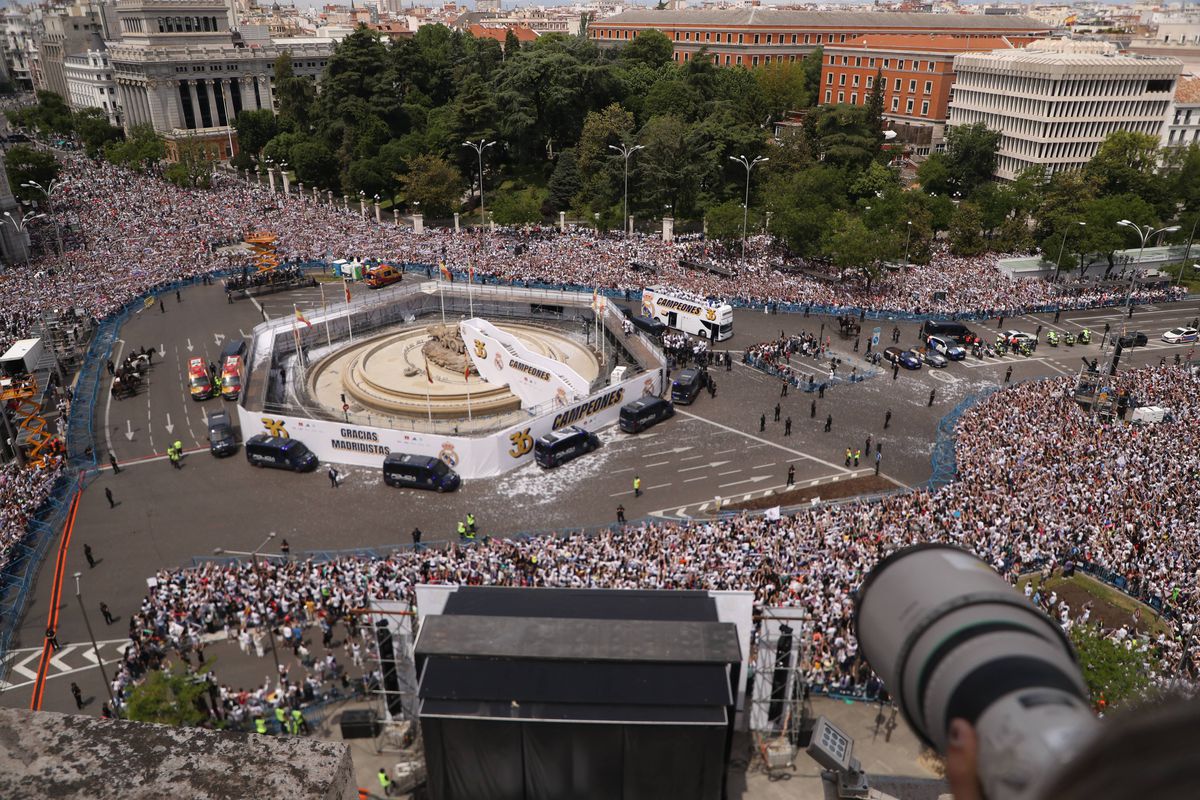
x=779, y=711
x=393, y=632
x=265, y=256
x=1096, y=393
x=19, y=395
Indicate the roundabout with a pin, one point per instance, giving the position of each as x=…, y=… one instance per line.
x=422, y=372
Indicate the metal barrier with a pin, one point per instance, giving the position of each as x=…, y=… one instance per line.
x=944, y=459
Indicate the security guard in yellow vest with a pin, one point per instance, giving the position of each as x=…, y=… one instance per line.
x=470, y=523
x=385, y=782
x=281, y=718
x=297, y=721
x=462, y=529
x=260, y=726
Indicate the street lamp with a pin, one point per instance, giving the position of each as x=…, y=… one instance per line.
x=21, y=225
x=479, y=148
x=907, y=239
x=1062, y=247
x=254, y=557
x=749, y=165
x=1145, y=233
x=112, y=703
x=626, y=152
x=49, y=191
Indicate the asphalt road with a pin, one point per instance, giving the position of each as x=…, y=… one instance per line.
x=164, y=516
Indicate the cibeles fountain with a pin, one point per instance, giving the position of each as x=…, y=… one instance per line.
x=470, y=374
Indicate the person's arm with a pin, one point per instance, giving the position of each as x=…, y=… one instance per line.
x=962, y=767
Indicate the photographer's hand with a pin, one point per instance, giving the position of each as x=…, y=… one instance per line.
x=962, y=768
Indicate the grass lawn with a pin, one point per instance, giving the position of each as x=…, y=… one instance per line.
x=1110, y=606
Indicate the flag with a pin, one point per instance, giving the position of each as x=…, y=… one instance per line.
x=428, y=374
x=470, y=273
x=467, y=372
x=772, y=513
x=595, y=301
x=300, y=317
x=346, y=284
x=446, y=272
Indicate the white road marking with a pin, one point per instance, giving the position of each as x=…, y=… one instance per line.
x=755, y=479
x=656, y=486
x=729, y=472
x=108, y=402
x=21, y=668
x=706, y=466
x=690, y=458
x=701, y=478
x=764, y=466
x=674, y=450
x=760, y=440
x=942, y=376
x=656, y=464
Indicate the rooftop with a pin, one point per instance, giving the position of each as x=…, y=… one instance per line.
x=1187, y=90
x=72, y=757
x=824, y=19
x=931, y=43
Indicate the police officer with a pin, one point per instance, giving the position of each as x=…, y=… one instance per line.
x=787, y=427
x=791, y=478
x=298, y=724
x=260, y=726
x=621, y=515
x=281, y=718
x=777, y=412
x=470, y=523
x=932, y=394
x=462, y=530
x=857, y=456
x=637, y=486
x=849, y=455
x=385, y=782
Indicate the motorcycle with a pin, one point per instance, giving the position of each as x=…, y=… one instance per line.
x=1052, y=339
x=1069, y=340
x=1085, y=337
x=989, y=351
x=977, y=351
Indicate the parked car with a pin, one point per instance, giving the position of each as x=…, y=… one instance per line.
x=910, y=360
x=934, y=358
x=947, y=347
x=892, y=354
x=1180, y=335
x=1016, y=337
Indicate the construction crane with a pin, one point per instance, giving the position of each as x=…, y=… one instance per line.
x=19, y=393
x=266, y=259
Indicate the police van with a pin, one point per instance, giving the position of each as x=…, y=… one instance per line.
x=692, y=314
x=559, y=447
x=419, y=472
x=687, y=385
x=645, y=412
x=279, y=452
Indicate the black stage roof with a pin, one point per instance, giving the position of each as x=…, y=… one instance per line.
x=495, y=601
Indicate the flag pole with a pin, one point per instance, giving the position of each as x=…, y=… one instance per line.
x=296, y=331
x=470, y=280
x=442, y=300
x=349, y=325
x=328, y=337
x=467, y=383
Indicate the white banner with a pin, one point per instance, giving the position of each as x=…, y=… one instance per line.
x=471, y=457
x=503, y=360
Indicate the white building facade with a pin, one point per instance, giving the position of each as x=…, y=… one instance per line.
x=1054, y=102
x=90, y=82
x=1183, y=117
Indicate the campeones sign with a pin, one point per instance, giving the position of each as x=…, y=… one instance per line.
x=573, y=415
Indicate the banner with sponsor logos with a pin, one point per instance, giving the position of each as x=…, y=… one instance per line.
x=482, y=456
x=504, y=360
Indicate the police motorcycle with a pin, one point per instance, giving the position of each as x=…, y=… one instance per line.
x=1025, y=348
x=1069, y=340
x=1001, y=345
x=1052, y=339
x=1085, y=336
x=874, y=357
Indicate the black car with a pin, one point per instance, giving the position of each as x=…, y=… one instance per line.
x=222, y=441
x=559, y=447
x=647, y=325
x=1136, y=339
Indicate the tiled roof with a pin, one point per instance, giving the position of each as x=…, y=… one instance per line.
x=824, y=19
x=1187, y=90
x=928, y=44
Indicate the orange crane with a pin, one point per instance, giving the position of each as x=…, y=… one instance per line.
x=20, y=394
x=263, y=244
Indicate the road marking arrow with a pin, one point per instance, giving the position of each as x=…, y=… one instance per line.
x=755, y=479
x=170, y=428
x=665, y=452
x=57, y=662
x=218, y=338
x=705, y=466
x=189, y=341
x=21, y=668
x=129, y=429
x=679, y=513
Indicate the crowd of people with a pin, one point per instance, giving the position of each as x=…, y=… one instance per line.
x=1042, y=484
x=22, y=493
x=128, y=233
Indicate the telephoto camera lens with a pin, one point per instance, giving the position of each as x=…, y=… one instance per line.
x=951, y=639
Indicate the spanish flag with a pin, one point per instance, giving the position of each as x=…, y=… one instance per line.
x=346, y=284
x=300, y=317
x=446, y=272
x=470, y=273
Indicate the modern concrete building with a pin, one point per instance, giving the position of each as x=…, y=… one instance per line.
x=752, y=36
x=917, y=72
x=180, y=68
x=1054, y=102
x=67, y=31
x=90, y=82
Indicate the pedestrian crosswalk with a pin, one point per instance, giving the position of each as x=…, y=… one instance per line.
x=19, y=667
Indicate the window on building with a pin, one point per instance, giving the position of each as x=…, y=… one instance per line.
x=908, y=106
x=842, y=79
x=925, y=108
x=707, y=35
x=870, y=81
x=887, y=62
x=854, y=98
x=828, y=96
x=928, y=87
x=739, y=58
x=858, y=61
x=900, y=63
x=895, y=104
x=912, y=86
x=841, y=97
x=766, y=59
x=898, y=84
x=930, y=66
x=741, y=40
x=855, y=82
x=769, y=39
x=796, y=38
x=842, y=38
x=727, y=60
x=756, y=38
x=820, y=36
x=806, y=38
x=916, y=64
x=754, y=61
x=829, y=78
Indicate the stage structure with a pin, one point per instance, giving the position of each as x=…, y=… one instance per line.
x=779, y=692
x=581, y=693
x=470, y=374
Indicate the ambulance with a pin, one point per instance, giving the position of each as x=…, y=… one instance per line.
x=688, y=313
x=383, y=275
x=231, y=377
x=199, y=384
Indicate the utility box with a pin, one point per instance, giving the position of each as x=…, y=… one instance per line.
x=22, y=358
x=1146, y=415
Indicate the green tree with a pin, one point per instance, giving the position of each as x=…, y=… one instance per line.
x=970, y=157
x=433, y=182
x=848, y=243
x=874, y=181
x=724, y=221
x=294, y=94
x=875, y=103
x=598, y=171
x=50, y=114
x=783, y=86
x=517, y=207
x=279, y=148
x=511, y=43
x=1109, y=669
x=843, y=136
x=168, y=698
x=675, y=163
x=193, y=166
x=315, y=165
x=651, y=48
x=95, y=131
x=564, y=182
x=1102, y=236
x=255, y=129
x=1127, y=163
x=812, y=74
x=966, y=231
x=142, y=148
x=25, y=165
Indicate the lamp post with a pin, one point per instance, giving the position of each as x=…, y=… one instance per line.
x=1145, y=233
x=626, y=152
x=254, y=558
x=49, y=191
x=1062, y=247
x=749, y=165
x=1188, y=252
x=21, y=225
x=112, y=703
x=907, y=239
x=479, y=147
